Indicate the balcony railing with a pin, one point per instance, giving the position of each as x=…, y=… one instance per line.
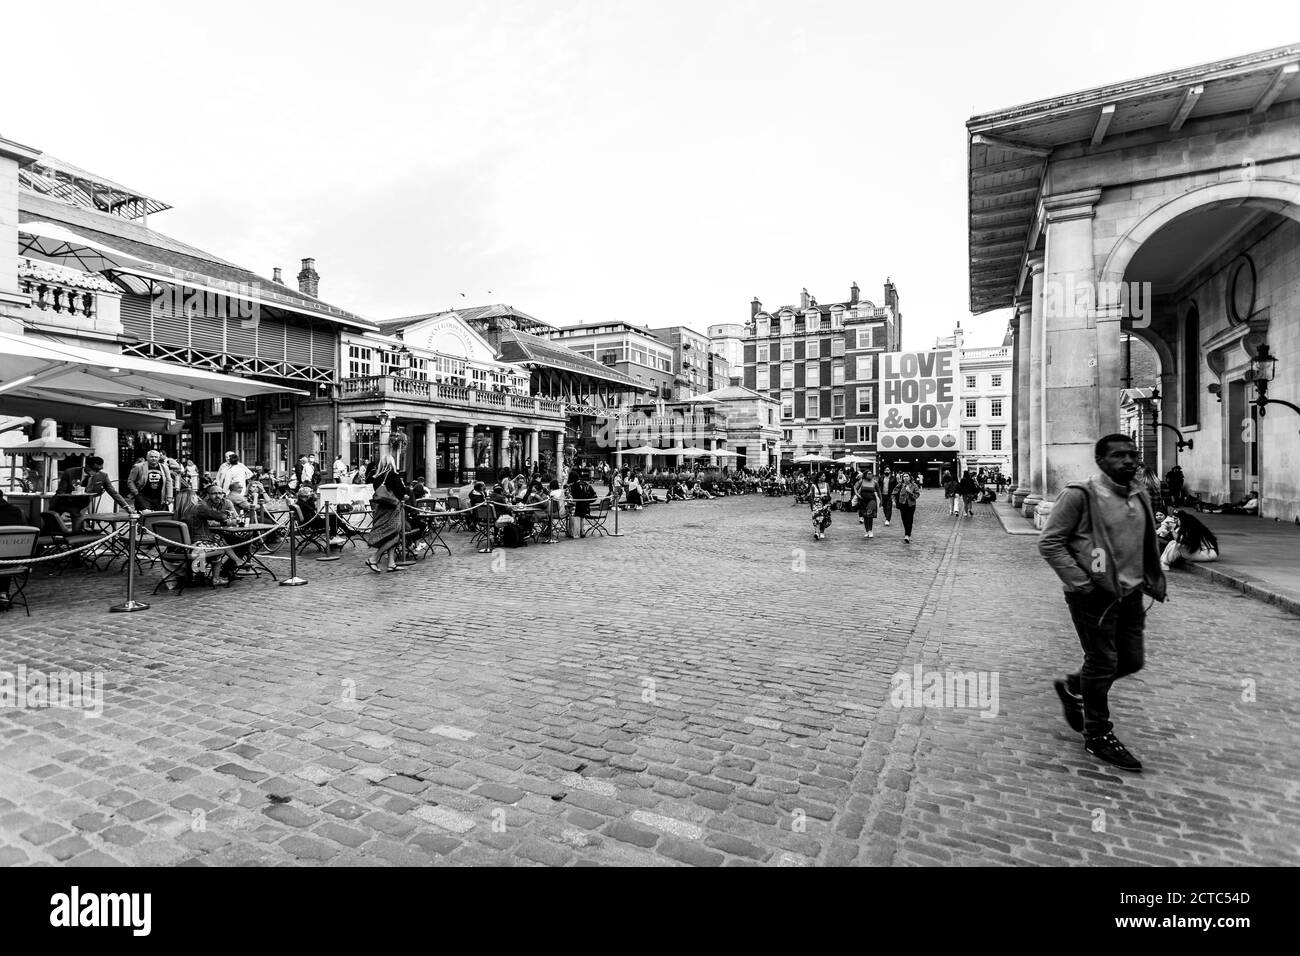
x=440, y=393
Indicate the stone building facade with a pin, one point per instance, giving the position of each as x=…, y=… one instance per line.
x=1168, y=208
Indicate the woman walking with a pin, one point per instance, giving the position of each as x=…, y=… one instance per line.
x=819, y=499
x=868, y=496
x=906, y=492
x=386, y=530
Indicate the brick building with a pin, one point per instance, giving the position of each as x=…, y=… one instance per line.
x=820, y=362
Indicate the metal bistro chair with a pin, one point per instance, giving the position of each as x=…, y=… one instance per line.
x=593, y=522
x=16, y=543
x=482, y=525
x=430, y=535
x=175, y=561
x=56, y=537
x=311, y=533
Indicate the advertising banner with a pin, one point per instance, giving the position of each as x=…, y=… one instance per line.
x=918, y=401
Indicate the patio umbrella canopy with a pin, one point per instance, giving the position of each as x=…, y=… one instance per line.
x=51, y=449
x=47, y=240
x=33, y=367
x=88, y=413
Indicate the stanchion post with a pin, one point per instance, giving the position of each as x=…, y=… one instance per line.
x=293, y=581
x=615, y=533
x=329, y=554
x=131, y=604
x=403, y=556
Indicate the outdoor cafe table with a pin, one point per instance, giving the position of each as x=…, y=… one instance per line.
x=246, y=556
x=119, y=546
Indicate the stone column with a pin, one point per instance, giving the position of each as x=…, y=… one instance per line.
x=1023, y=333
x=345, y=443
x=559, y=456
x=431, y=453
x=1034, y=393
x=500, y=452
x=467, y=454
x=104, y=441
x=535, y=447
x=385, y=436
x=1075, y=357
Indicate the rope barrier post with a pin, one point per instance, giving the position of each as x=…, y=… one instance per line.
x=329, y=554
x=293, y=581
x=131, y=604
x=403, y=556
x=615, y=533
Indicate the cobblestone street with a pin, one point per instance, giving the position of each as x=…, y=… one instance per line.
x=711, y=689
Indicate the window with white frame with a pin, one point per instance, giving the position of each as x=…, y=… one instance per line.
x=837, y=405
x=866, y=365
x=787, y=351
x=787, y=407
x=787, y=435
x=868, y=433
x=813, y=406
x=864, y=338
x=995, y=407
x=864, y=401
x=762, y=353
x=814, y=435
x=837, y=434
x=837, y=345
x=359, y=361
x=812, y=374
x=813, y=322
x=970, y=408
x=762, y=383
x=837, y=319
x=814, y=349
x=996, y=380
x=971, y=438
x=837, y=372
x=970, y=381
x=787, y=324
x=996, y=436
x=787, y=376
x=763, y=327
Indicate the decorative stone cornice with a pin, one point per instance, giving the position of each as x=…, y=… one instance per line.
x=1064, y=207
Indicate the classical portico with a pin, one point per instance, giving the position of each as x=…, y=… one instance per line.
x=1167, y=209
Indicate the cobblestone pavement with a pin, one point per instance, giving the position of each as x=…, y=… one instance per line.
x=712, y=688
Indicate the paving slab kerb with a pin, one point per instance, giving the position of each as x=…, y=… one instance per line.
x=712, y=689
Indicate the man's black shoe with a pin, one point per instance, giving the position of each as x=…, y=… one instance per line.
x=1109, y=749
x=1072, y=705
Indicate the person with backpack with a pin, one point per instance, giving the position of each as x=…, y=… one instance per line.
x=907, y=490
x=1100, y=539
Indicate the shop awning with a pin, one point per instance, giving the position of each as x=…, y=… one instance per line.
x=43, y=368
x=89, y=413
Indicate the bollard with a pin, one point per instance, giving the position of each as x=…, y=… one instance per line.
x=615, y=533
x=293, y=581
x=329, y=554
x=131, y=604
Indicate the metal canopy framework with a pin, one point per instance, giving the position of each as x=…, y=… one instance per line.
x=53, y=177
x=1009, y=150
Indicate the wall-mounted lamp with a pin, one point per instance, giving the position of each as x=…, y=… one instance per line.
x=1215, y=389
x=1263, y=366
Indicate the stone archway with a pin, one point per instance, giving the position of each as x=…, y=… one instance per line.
x=1281, y=196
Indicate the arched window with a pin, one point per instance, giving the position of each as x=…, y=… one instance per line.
x=1191, y=366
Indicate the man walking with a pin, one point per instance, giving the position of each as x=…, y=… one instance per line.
x=1100, y=539
x=150, y=484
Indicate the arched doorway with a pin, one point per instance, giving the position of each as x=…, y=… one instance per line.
x=1218, y=266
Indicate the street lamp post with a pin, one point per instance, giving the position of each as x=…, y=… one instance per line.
x=1263, y=366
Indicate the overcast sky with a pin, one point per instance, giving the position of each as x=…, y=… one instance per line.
x=582, y=160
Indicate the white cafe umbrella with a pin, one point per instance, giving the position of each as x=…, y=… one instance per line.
x=812, y=459
x=694, y=453
x=50, y=449
x=642, y=450
x=48, y=240
x=851, y=459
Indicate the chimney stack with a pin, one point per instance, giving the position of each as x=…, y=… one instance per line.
x=853, y=294
x=755, y=307
x=803, y=299
x=309, y=279
x=275, y=276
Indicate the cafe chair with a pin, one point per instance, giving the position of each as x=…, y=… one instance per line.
x=16, y=543
x=482, y=525
x=56, y=537
x=593, y=522
x=313, y=533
